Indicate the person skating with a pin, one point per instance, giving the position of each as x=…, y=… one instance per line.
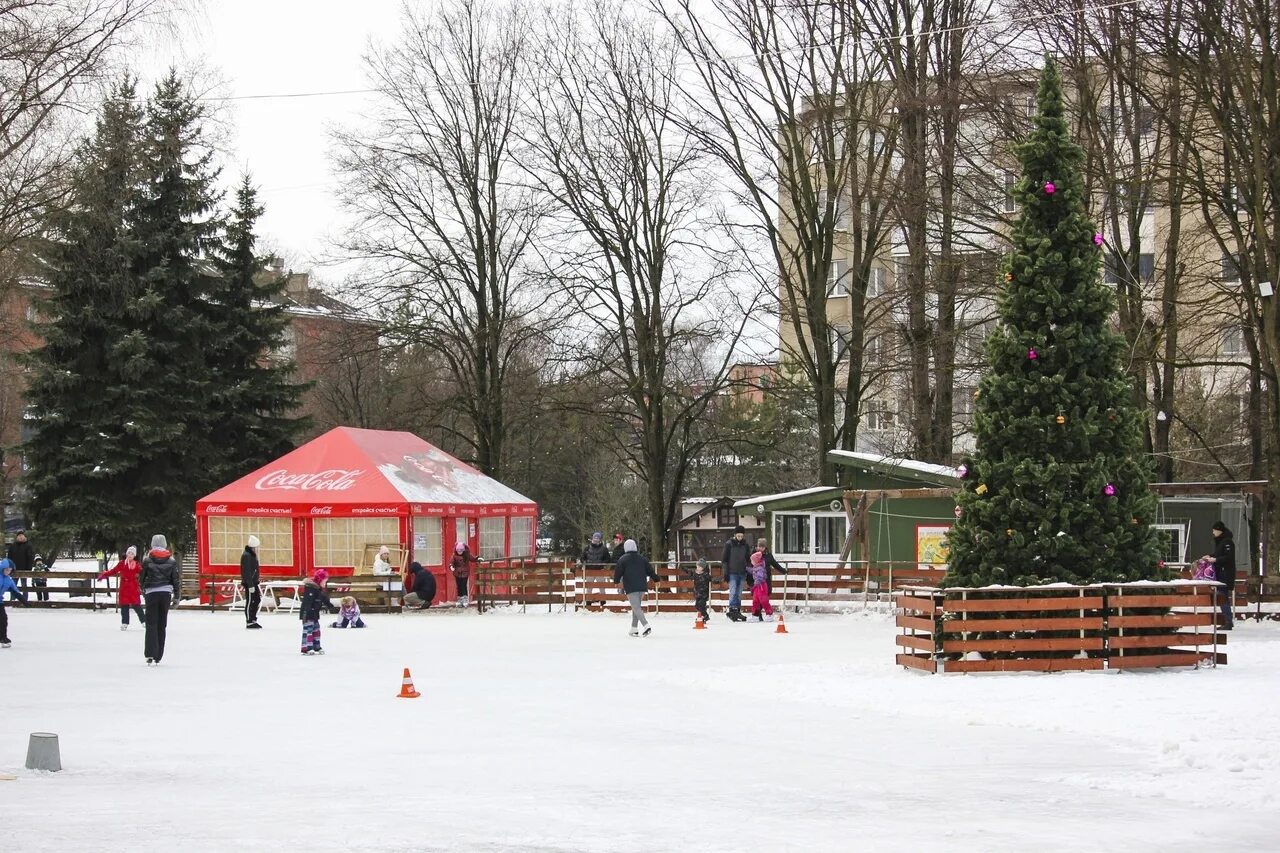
x=129, y=595
x=460, y=565
x=1223, y=559
x=421, y=585
x=8, y=585
x=23, y=557
x=634, y=572
x=760, y=588
x=701, y=575
x=314, y=597
x=250, y=579
x=733, y=563
x=161, y=586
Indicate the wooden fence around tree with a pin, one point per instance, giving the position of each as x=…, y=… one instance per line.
x=1057, y=628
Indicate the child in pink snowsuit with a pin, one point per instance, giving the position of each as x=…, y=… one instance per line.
x=760, y=587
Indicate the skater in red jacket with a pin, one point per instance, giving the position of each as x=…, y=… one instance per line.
x=130, y=593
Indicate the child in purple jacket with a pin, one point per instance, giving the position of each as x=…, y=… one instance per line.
x=760, y=587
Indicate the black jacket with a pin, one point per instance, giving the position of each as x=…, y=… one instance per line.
x=161, y=571
x=770, y=564
x=313, y=598
x=735, y=558
x=249, y=568
x=634, y=571
x=596, y=554
x=424, y=584
x=1224, y=559
x=701, y=582
x=618, y=551
x=22, y=555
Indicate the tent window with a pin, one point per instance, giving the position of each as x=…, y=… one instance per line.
x=426, y=541
x=228, y=534
x=493, y=532
x=340, y=542
x=522, y=536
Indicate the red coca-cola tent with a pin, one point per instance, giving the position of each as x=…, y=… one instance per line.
x=323, y=504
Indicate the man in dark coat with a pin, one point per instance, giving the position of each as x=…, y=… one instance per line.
x=596, y=553
x=249, y=579
x=421, y=585
x=1224, y=568
x=23, y=557
x=733, y=562
x=633, y=571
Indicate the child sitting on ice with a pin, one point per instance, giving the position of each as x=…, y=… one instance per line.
x=349, y=613
x=8, y=585
x=760, y=587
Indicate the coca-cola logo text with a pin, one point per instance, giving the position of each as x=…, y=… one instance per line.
x=216, y=508
x=322, y=510
x=333, y=480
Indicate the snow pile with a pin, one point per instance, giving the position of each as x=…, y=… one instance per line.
x=558, y=732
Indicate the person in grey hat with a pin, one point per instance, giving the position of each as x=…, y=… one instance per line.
x=249, y=579
x=161, y=586
x=634, y=572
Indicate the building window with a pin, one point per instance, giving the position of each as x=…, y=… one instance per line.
x=493, y=531
x=1010, y=185
x=1232, y=340
x=341, y=542
x=840, y=335
x=962, y=402
x=726, y=516
x=228, y=535
x=1231, y=268
x=522, y=536
x=791, y=533
x=1173, y=542
x=901, y=270
x=838, y=278
x=875, y=283
x=427, y=546
x=873, y=350
x=828, y=534
x=1146, y=266
x=881, y=415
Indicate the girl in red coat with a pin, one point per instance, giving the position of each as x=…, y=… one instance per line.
x=460, y=565
x=130, y=593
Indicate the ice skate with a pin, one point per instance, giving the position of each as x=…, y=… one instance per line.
x=4, y=644
x=253, y=625
x=648, y=629
x=634, y=633
x=124, y=627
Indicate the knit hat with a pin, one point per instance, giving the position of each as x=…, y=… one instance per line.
x=131, y=551
x=459, y=547
x=629, y=545
x=159, y=543
x=702, y=562
x=757, y=558
x=384, y=551
x=1218, y=525
x=253, y=542
x=597, y=536
x=739, y=529
x=617, y=537
x=320, y=576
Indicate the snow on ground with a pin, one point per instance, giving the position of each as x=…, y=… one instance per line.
x=561, y=733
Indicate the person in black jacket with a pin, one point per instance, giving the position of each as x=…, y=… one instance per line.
x=23, y=557
x=619, y=548
x=771, y=563
x=421, y=585
x=314, y=597
x=733, y=562
x=250, y=578
x=596, y=553
x=161, y=584
x=634, y=572
x=1224, y=568
x=701, y=576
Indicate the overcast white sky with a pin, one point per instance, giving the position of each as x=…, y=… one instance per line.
x=272, y=47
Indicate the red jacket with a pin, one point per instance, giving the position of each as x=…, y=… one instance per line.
x=130, y=591
x=461, y=564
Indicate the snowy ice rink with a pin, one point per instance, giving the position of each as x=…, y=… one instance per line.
x=559, y=732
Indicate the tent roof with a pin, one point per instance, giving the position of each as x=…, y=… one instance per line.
x=364, y=466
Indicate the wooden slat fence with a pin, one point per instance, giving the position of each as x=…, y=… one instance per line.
x=1051, y=629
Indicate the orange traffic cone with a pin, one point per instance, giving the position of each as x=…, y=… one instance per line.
x=782, y=625
x=407, y=690
x=699, y=624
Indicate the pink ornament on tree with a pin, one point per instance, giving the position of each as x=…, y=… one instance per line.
x=962, y=471
x=1097, y=239
x=1049, y=188
x=1032, y=355
x=1109, y=490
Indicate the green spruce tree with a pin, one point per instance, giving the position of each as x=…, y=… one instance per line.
x=82, y=455
x=1057, y=488
x=255, y=395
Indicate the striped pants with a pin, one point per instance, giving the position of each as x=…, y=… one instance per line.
x=311, y=635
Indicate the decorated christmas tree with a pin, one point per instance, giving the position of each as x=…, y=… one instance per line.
x=1057, y=487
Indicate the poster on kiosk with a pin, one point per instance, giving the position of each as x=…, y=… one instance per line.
x=334, y=501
